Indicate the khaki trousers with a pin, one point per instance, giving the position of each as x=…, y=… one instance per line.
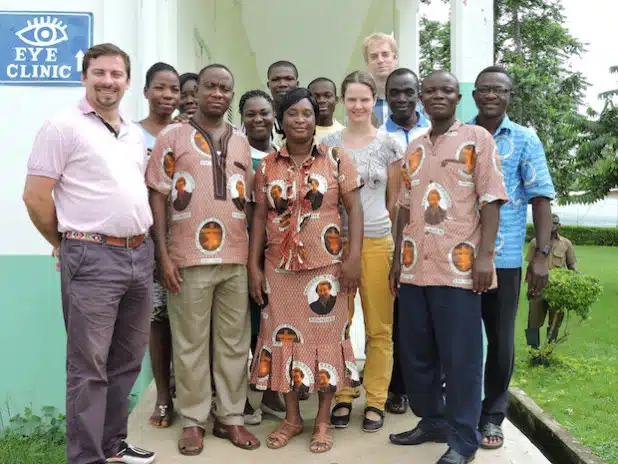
x=377, y=303
x=220, y=290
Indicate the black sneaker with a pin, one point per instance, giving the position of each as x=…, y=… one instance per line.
x=129, y=454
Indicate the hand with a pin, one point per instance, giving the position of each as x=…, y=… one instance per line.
x=537, y=274
x=394, y=276
x=482, y=273
x=350, y=275
x=170, y=276
x=257, y=284
x=56, y=254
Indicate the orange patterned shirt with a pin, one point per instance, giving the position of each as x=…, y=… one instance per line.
x=303, y=228
x=446, y=184
x=207, y=193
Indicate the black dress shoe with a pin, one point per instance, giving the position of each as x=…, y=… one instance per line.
x=373, y=425
x=453, y=457
x=417, y=436
x=396, y=403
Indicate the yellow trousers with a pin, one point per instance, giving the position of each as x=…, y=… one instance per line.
x=377, y=302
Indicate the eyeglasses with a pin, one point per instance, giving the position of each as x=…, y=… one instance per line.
x=500, y=91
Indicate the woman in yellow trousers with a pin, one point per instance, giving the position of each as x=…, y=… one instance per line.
x=377, y=157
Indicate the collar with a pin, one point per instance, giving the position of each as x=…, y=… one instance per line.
x=505, y=126
x=315, y=151
x=451, y=130
x=86, y=108
x=392, y=126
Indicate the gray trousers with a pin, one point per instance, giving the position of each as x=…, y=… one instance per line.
x=107, y=303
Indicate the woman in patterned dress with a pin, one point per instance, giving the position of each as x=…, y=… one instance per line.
x=258, y=118
x=162, y=90
x=303, y=343
x=377, y=156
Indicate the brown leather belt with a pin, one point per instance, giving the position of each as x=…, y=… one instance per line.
x=125, y=242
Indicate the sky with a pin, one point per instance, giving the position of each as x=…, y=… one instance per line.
x=591, y=21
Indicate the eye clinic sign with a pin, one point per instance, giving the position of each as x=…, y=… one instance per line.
x=43, y=47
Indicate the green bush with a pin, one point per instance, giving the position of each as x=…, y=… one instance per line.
x=570, y=291
x=582, y=235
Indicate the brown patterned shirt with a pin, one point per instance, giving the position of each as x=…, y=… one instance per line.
x=446, y=184
x=207, y=193
x=304, y=225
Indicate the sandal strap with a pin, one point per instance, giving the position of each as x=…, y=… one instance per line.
x=376, y=410
x=493, y=430
x=342, y=406
x=284, y=436
x=321, y=435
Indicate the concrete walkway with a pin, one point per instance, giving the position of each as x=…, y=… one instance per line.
x=352, y=445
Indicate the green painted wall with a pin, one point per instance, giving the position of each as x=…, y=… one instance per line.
x=466, y=109
x=33, y=337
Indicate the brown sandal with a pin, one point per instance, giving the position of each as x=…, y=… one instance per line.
x=191, y=442
x=235, y=433
x=322, y=436
x=282, y=434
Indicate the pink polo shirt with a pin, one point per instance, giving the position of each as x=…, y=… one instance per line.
x=101, y=186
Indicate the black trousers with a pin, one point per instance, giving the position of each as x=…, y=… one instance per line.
x=397, y=385
x=499, y=309
x=444, y=334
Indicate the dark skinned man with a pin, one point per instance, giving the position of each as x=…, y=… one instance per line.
x=325, y=93
x=282, y=76
x=204, y=265
x=527, y=180
x=446, y=267
x=405, y=123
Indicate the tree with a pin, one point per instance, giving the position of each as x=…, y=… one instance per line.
x=531, y=41
x=435, y=46
x=595, y=166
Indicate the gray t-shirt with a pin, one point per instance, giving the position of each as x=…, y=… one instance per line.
x=372, y=162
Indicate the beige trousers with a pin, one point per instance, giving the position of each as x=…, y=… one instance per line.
x=223, y=291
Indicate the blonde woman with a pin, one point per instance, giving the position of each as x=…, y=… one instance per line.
x=377, y=157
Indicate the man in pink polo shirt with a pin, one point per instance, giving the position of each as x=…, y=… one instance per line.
x=93, y=161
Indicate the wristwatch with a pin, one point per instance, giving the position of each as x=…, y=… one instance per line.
x=544, y=250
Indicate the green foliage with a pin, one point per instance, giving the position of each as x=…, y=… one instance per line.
x=594, y=170
x=570, y=291
x=532, y=42
x=583, y=235
x=50, y=424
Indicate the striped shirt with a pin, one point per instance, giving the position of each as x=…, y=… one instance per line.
x=526, y=176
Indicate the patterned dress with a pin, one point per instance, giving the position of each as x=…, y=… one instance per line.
x=304, y=342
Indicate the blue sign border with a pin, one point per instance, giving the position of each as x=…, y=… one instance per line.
x=90, y=17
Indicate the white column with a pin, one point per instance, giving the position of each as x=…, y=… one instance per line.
x=407, y=33
x=472, y=46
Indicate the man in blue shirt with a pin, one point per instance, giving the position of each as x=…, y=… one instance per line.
x=405, y=123
x=527, y=180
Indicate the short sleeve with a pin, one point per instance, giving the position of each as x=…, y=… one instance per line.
x=531, y=248
x=49, y=153
x=534, y=171
x=349, y=179
x=403, y=200
x=395, y=151
x=570, y=254
x=259, y=184
x=160, y=170
x=249, y=174
x=331, y=140
x=488, y=177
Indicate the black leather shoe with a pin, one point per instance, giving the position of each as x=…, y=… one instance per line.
x=341, y=422
x=453, y=457
x=373, y=425
x=417, y=436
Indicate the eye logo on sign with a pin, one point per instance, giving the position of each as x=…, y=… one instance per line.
x=44, y=47
x=45, y=32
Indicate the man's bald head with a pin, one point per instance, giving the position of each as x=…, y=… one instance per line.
x=440, y=95
x=441, y=75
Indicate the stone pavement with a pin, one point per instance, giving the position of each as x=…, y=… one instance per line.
x=352, y=445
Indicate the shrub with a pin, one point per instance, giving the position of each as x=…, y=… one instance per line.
x=570, y=291
x=582, y=235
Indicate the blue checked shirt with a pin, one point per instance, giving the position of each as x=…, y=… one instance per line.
x=403, y=135
x=526, y=177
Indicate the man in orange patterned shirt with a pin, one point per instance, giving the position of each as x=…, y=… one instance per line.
x=448, y=219
x=205, y=264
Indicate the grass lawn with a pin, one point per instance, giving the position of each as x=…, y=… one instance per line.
x=34, y=450
x=583, y=394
